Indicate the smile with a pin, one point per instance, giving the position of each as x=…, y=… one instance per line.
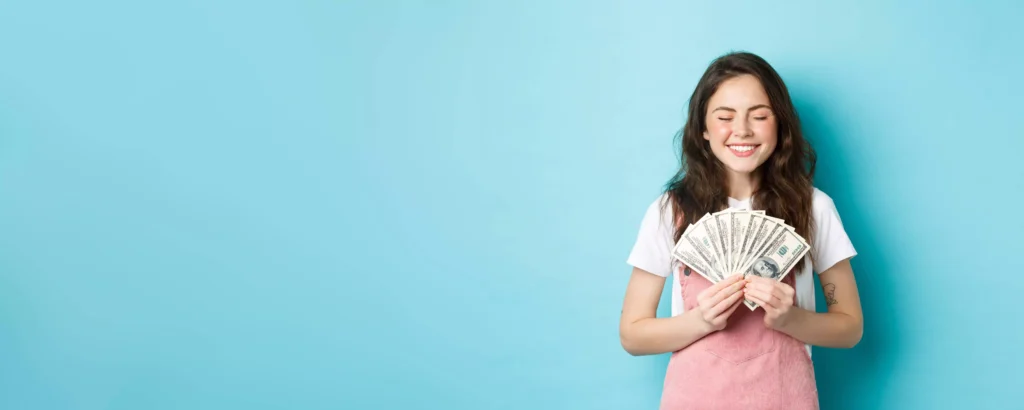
x=743, y=150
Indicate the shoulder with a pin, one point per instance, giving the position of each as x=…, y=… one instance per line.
x=824, y=213
x=831, y=244
x=661, y=206
x=821, y=202
x=659, y=212
x=663, y=201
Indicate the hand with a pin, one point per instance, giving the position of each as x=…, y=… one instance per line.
x=716, y=303
x=775, y=297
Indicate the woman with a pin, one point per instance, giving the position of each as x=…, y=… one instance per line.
x=742, y=147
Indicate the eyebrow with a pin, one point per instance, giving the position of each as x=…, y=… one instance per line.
x=734, y=110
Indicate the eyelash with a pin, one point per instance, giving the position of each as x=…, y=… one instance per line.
x=756, y=118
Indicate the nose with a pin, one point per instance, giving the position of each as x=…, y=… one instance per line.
x=741, y=128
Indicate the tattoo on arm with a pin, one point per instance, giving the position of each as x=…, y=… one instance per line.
x=830, y=294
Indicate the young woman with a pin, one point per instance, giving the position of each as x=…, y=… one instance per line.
x=742, y=147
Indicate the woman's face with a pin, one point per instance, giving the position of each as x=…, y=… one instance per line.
x=741, y=127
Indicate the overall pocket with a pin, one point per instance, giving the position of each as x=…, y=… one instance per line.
x=745, y=337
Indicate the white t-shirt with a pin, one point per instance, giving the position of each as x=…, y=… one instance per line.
x=652, y=251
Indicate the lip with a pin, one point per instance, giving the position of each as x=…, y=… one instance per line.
x=743, y=154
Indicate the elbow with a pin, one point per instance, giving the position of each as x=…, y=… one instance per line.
x=629, y=344
x=851, y=341
x=856, y=334
x=633, y=351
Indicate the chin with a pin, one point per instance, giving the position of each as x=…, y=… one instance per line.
x=741, y=167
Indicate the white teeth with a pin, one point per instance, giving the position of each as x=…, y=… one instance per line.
x=741, y=148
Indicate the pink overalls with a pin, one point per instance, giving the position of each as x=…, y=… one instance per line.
x=744, y=366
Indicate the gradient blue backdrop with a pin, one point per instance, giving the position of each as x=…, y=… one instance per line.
x=313, y=205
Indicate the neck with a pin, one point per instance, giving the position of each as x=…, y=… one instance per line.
x=742, y=186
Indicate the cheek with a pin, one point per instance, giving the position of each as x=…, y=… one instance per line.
x=720, y=132
x=769, y=132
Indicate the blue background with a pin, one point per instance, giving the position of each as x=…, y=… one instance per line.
x=312, y=205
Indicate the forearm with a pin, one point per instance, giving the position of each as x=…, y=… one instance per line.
x=832, y=329
x=662, y=335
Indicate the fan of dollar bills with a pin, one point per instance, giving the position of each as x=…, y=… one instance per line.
x=740, y=241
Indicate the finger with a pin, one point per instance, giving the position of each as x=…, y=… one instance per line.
x=762, y=283
x=767, y=306
x=779, y=294
x=725, y=283
x=765, y=282
x=724, y=305
x=781, y=291
x=758, y=286
x=726, y=292
x=763, y=296
x=727, y=313
x=711, y=291
x=768, y=288
x=775, y=289
x=758, y=279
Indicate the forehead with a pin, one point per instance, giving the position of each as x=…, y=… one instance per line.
x=739, y=92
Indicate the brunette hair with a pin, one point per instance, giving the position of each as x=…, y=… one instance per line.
x=700, y=185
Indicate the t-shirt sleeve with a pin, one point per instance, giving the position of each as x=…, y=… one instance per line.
x=652, y=250
x=831, y=243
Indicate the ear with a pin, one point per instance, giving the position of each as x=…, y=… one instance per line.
x=706, y=136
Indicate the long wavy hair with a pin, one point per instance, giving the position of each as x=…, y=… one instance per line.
x=700, y=186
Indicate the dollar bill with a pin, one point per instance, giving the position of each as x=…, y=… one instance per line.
x=703, y=244
x=685, y=252
x=777, y=258
x=724, y=228
x=715, y=236
x=737, y=223
x=752, y=224
x=740, y=241
x=691, y=226
x=765, y=229
x=766, y=233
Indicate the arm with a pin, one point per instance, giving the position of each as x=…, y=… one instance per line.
x=841, y=327
x=641, y=333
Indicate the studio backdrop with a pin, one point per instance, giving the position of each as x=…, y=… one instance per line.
x=429, y=204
